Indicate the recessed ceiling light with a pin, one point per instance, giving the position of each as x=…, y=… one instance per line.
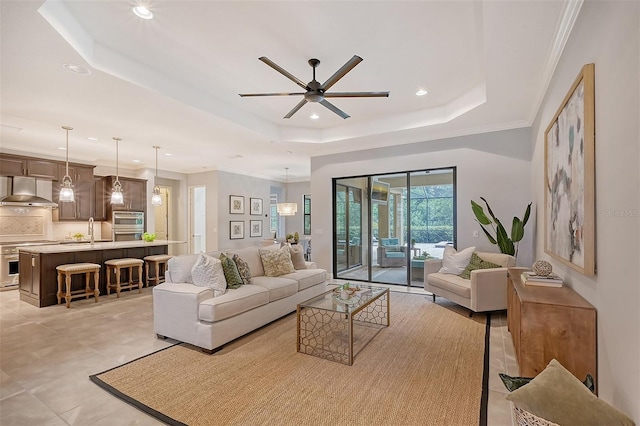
x=314, y=116
x=136, y=161
x=421, y=92
x=142, y=12
x=168, y=154
x=91, y=138
x=62, y=148
x=77, y=69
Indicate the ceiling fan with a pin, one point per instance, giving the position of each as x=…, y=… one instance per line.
x=316, y=92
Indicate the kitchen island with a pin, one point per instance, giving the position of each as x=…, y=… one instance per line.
x=38, y=275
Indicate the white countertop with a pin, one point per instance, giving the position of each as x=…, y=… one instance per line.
x=68, y=248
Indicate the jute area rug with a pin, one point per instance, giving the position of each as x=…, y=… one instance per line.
x=426, y=368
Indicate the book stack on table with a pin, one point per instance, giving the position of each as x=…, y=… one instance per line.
x=551, y=280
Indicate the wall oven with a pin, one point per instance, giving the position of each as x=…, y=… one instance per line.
x=127, y=226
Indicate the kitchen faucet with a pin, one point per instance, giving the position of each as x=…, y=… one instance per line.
x=91, y=230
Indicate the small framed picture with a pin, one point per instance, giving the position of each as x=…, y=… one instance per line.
x=236, y=229
x=236, y=204
x=255, y=227
x=256, y=206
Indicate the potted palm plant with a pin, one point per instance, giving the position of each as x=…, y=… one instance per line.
x=507, y=243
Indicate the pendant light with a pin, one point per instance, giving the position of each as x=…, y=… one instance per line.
x=156, y=198
x=287, y=209
x=116, y=196
x=66, y=187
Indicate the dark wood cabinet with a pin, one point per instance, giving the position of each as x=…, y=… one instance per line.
x=134, y=192
x=29, y=278
x=15, y=165
x=99, y=196
x=83, y=187
x=547, y=323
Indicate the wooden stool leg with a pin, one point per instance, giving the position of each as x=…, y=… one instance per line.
x=146, y=271
x=59, y=294
x=96, y=288
x=108, y=280
x=157, y=281
x=67, y=296
x=117, y=282
x=87, y=287
x=139, y=278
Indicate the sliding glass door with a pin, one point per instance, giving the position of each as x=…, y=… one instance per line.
x=387, y=225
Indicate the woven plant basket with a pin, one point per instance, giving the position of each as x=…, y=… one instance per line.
x=525, y=418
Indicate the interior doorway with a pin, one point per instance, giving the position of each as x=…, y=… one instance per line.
x=197, y=219
x=162, y=216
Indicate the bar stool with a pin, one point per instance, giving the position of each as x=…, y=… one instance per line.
x=116, y=265
x=156, y=261
x=70, y=269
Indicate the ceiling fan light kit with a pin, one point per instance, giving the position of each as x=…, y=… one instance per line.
x=316, y=92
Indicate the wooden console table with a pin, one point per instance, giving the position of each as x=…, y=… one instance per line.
x=547, y=323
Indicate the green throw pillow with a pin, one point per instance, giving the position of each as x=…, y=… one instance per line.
x=231, y=274
x=243, y=269
x=476, y=263
x=557, y=396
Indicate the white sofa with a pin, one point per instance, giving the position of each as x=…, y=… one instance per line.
x=485, y=291
x=188, y=313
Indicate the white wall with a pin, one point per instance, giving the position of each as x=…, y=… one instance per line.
x=295, y=193
x=493, y=165
x=607, y=34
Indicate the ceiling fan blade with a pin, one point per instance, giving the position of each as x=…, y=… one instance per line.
x=341, y=72
x=357, y=95
x=296, y=108
x=270, y=94
x=333, y=108
x=283, y=72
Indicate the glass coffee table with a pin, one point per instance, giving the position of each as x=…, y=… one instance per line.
x=334, y=328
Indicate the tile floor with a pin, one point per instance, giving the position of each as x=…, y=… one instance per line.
x=47, y=355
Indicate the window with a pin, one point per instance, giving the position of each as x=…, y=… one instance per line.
x=307, y=214
x=273, y=215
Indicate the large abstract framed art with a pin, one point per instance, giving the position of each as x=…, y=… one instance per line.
x=569, y=175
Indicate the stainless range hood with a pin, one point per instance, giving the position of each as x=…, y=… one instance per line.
x=26, y=192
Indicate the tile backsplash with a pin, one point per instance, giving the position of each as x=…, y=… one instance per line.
x=25, y=223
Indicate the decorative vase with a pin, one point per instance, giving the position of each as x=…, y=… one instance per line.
x=344, y=294
x=542, y=268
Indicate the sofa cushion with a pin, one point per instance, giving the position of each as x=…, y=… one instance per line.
x=231, y=274
x=252, y=257
x=390, y=249
x=452, y=283
x=394, y=254
x=558, y=396
x=233, y=302
x=243, y=269
x=454, y=262
x=279, y=287
x=207, y=272
x=297, y=256
x=307, y=277
x=389, y=241
x=180, y=268
x=476, y=263
x=276, y=262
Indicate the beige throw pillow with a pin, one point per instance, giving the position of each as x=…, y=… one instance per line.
x=207, y=272
x=558, y=396
x=276, y=262
x=454, y=262
x=297, y=257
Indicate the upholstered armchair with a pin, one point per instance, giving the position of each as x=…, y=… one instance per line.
x=390, y=253
x=485, y=290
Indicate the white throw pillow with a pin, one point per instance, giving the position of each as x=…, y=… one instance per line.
x=208, y=272
x=454, y=262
